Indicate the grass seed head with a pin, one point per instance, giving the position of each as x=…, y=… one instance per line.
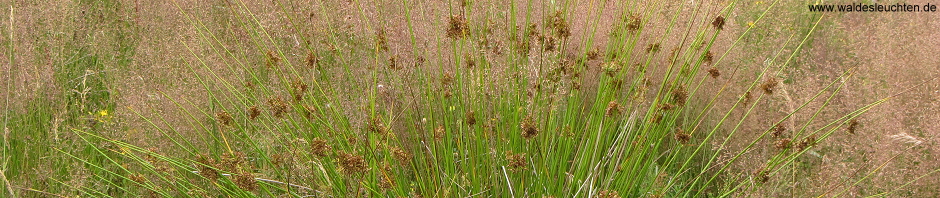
x=769, y=85
x=470, y=118
x=224, y=118
x=300, y=88
x=273, y=59
x=529, y=128
x=666, y=106
x=232, y=162
x=682, y=136
x=778, y=130
x=352, y=164
x=278, y=107
x=594, y=54
x=137, y=177
x=611, y=68
x=653, y=48
x=469, y=61
x=761, y=176
x=548, y=43
x=719, y=22
x=447, y=78
x=680, y=95
x=401, y=155
x=782, y=143
x=319, y=147
x=393, y=63
x=613, y=108
x=558, y=23
x=807, y=142
x=656, y=118
x=607, y=194
x=457, y=27
x=312, y=60
x=439, y=133
x=253, y=112
x=633, y=23
x=708, y=57
x=517, y=161
x=386, y=182
x=747, y=97
x=713, y=72
x=377, y=126
x=246, y=181
x=381, y=40
x=853, y=125
x=205, y=169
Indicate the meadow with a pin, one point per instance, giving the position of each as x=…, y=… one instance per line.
x=466, y=98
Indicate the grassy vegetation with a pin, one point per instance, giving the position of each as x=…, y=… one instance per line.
x=526, y=99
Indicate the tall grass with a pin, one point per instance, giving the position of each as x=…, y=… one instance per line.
x=513, y=102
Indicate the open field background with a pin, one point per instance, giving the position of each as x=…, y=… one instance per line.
x=142, y=71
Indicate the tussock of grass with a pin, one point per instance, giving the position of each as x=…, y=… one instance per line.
x=523, y=100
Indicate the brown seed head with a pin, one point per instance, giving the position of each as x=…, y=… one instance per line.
x=529, y=128
x=300, y=88
x=557, y=23
x=439, y=133
x=246, y=181
x=679, y=95
x=205, y=167
x=352, y=164
x=137, y=177
x=312, y=60
x=381, y=40
x=253, y=112
x=769, y=85
x=319, y=147
x=747, y=97
x=633, y=23
x=447, y=78
x=613, y=108
x=224, y=118
x=273, y=59
x=393, y=63
x=782, y=143
x=708, y=57
x=457, y=27
x=719, y=22
x=232, y=162
x=778, y=130
x=470, y=118
x=713, y=72
x=594, y=54
x=807, y=142
x=607, y=194
x=666, y=106
x=761, y=176
x=853, y=125
x=278, y=107
x=386, y=182
x=653, y=48
x=401, y=155
x=517, y=161
x=682, y=136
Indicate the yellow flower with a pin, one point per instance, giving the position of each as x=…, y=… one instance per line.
x=103, y=116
